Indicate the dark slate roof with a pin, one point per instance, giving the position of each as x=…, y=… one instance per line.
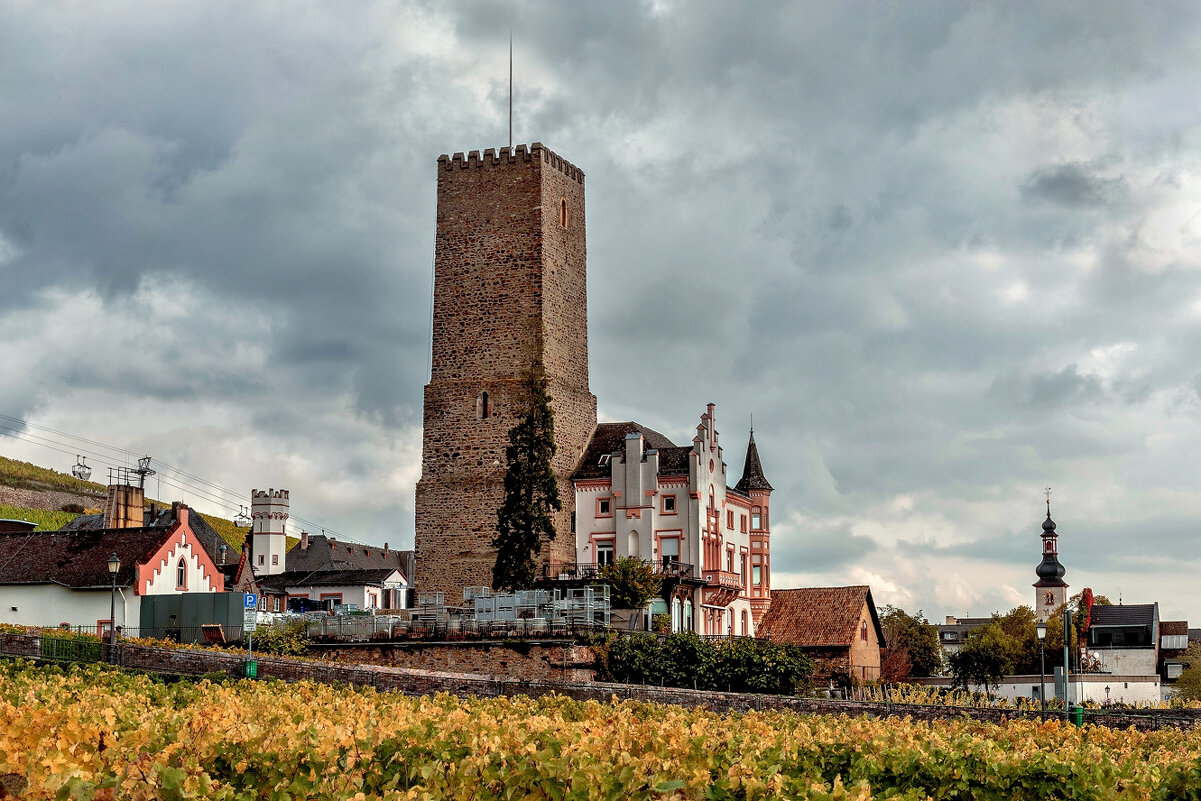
x=752, y=470
x=674, y=461
x=818, y=616
x=162, y=517
x=76, y=559
x=326, y=578
x=326, y=553
x=1194, y=635
x=1123, y=615
x=608, y=438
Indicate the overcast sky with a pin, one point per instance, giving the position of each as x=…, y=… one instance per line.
x=946, y=254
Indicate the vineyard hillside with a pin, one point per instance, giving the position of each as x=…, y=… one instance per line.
x=52, y=499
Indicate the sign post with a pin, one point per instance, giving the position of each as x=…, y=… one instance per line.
x=250, y=603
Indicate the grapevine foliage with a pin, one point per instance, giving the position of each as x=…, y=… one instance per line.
x=93, y=732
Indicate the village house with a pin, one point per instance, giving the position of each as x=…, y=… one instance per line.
x=56, y=578
x=836, y=626
x=639, y=495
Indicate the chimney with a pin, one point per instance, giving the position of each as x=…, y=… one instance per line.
x=385, y=549
x=124, y=507
x=304, y=540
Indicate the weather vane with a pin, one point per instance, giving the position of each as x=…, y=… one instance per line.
x=1047, y=492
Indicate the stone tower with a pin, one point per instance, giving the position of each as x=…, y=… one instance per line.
x=269, y=535
x=1050, y=591
x=509, y=286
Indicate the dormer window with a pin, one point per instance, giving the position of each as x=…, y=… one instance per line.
x=605, y=459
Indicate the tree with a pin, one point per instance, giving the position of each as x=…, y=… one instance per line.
x=632, y=582
x=1188, y=686
x=531, y=489
x=984, y=657
x=916, y=637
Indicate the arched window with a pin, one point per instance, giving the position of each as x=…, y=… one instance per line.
x=633, y=544
x=181, y=574
x=745, y=630
x=863, y=631
x=677, y=614
x=563, y=212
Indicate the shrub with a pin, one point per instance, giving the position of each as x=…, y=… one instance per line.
x=287, y=640
x=684, y=659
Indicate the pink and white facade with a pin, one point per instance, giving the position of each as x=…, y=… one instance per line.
x=639, y=495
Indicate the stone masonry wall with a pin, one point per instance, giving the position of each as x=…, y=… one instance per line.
x=529, y=662
x=51, y=500
x=505, y=279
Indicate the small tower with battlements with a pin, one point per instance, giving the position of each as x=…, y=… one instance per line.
x=268, y=530
x=1050, y=591
x=509, y=288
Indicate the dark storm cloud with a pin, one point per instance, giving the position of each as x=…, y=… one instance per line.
x=946, y=252
x=1073, y=184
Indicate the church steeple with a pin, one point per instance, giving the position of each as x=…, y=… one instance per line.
x=1050, y=591
x=752, y=470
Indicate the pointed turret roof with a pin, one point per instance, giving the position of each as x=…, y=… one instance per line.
x=752, y=470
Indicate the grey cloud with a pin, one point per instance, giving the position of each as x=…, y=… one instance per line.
x=1074, y=184
x=896, y=235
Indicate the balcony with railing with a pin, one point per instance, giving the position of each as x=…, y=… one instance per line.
x=724, y=579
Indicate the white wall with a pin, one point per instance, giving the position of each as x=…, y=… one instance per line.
x=1129, y=689
x=48, y=605
x=1127, y=661
x=163, y=581
x=353, y=594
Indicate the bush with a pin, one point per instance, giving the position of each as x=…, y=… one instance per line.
x=685, y=660
x=287, y=640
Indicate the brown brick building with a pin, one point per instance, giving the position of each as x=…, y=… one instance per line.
x=510, y=284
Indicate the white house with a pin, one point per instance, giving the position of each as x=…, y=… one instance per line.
x=639, y=495
x=364, y=588
x=51, y=578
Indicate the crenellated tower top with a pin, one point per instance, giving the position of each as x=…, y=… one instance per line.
x=505, y=155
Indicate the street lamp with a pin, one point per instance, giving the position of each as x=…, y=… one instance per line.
x=114, y=564
x=1106, y=695
x=1041, y=631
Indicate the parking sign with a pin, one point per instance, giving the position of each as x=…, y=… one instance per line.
x=250, y=601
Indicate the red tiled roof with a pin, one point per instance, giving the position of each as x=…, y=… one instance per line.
x=818, y=616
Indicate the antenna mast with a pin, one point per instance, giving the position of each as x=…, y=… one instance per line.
x=510, y=90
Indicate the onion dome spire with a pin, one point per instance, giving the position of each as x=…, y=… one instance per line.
x=1050, y=572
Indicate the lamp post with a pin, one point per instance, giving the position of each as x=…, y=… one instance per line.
x=1106, y=695
x=114, y=564
x=1041, y=631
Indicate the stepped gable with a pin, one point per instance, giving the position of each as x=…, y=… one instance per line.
x=78, y=559
x=162, y=518
x=818, y=616
x=752, y=471
x=609, y=438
